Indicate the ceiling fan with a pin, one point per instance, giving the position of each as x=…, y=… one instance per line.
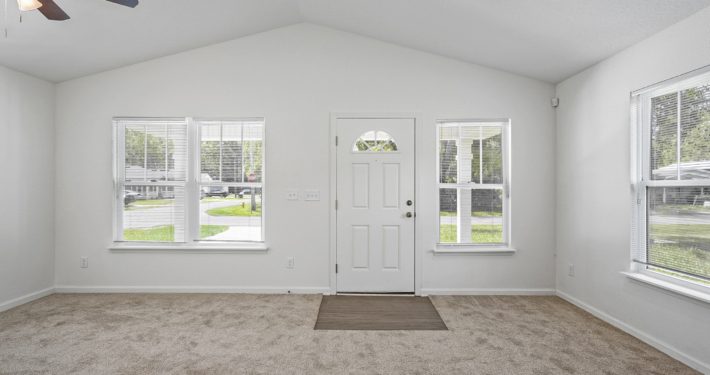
x=53, y=12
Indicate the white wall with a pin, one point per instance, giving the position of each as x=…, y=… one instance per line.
x=593, y=191
x=26, y=186
x=295, y=77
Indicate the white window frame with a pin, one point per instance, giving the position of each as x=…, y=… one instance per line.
x=505, y=246
x=641, y=180
x=192, y=192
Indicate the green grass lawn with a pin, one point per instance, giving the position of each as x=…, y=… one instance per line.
x=474, y=213
x=230, y=198
x=211, y=230
x=689, y=232
x=685, y=247
x=166, y=233
x=237, y=210
x=153, y=202
x=674, y=209
x=479, y=233
x=217, y=199
x=147, y=203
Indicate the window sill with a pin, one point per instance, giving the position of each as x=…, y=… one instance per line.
x=223, y=247
x=474, y=250
x=669, y=286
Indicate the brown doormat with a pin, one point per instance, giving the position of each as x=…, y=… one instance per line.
x=378, y=313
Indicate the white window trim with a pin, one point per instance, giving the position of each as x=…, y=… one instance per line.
x=213, y=247
x=503, y=248
x=482, y=250
x=669, y=284
x=192, y=190
x=640, y=181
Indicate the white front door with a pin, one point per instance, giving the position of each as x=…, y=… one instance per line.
x=375, y=212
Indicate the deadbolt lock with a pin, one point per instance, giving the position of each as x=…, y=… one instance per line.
x=409, y=202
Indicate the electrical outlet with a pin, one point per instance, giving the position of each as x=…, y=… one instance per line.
x=570, y=269
x=84, y=262
x=292, y=195
x=291, y=262
x=312, y=195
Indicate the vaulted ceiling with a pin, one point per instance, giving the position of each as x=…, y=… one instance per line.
x=543, y=39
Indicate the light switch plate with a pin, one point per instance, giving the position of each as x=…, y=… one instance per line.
x=312, y=195
x=292, y=195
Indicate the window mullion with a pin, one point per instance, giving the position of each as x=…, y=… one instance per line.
x=192, y=200
x=167, y=163
x=221, y=145
x=145, y=152
x=241, y=152
x=480, y=155
x=120, y=178
x=678, y=119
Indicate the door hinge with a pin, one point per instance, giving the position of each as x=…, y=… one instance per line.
x=336, y=267
x=336, y=140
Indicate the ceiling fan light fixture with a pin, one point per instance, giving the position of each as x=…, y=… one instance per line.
x=26, y=5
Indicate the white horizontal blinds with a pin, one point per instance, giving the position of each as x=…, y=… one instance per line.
x=155, y=150
x=694, y=163
x=677, y=195
x=448, y=169
x=664, y=137
x=153, y=179
x=231, y=190
x=491, y=146
x=471, y=181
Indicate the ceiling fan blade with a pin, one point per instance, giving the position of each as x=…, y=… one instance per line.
x=52, y=11
x=128, y=3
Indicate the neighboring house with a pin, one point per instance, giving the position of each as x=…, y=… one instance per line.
x=140, y=174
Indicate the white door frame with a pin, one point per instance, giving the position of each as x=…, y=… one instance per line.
x=334, y=117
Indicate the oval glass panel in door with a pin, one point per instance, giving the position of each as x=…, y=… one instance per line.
x=375, y=141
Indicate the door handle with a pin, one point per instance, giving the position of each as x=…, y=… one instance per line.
x=408, y=214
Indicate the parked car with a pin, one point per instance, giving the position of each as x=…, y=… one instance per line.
x=130, y=196
x=215, y=191
x=212, y=191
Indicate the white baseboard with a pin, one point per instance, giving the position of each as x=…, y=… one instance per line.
x=190, y=289
x=487, y=292
x=658, y=344
x=7, y=305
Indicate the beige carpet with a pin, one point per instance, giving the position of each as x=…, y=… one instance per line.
x=273, y=334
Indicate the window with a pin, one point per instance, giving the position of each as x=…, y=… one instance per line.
x=180, y=180
x=672, y=180
x=375, y=141
x=473, y=182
